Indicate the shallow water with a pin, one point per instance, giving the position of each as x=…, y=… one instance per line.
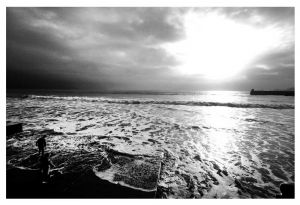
x=214, y=144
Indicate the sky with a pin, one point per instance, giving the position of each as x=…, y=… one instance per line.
x=154, y=49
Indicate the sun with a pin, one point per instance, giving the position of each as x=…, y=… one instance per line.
x=216, y=47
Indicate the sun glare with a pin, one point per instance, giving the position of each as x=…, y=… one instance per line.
x=218, y=48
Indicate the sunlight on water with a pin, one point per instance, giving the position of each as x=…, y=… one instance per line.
x=221, y=141
x=222, y=118
x=221, y=138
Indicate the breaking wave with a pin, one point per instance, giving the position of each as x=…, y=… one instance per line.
x=166, y=102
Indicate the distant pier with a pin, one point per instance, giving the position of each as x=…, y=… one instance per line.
x=262, y=92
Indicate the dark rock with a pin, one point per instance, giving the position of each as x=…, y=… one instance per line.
x=12, y=128
x=287, y=191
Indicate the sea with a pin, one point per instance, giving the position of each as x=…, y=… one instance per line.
x=212, y=144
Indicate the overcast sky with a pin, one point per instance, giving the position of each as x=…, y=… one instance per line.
x=169, y=49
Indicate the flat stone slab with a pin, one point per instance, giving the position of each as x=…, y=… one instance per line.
x=140, y=173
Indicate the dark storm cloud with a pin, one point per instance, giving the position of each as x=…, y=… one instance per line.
x=123, y=48
x=78, y=47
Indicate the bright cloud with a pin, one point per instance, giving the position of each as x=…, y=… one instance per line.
x=218, y=47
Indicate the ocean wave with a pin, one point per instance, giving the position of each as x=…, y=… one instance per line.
x=166, y=102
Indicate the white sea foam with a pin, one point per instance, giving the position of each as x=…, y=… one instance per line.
x=211, y=148
x=168, y=102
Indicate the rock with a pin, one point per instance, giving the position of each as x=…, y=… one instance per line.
x=141, y=174
x=287, y=191
x=12, y=128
